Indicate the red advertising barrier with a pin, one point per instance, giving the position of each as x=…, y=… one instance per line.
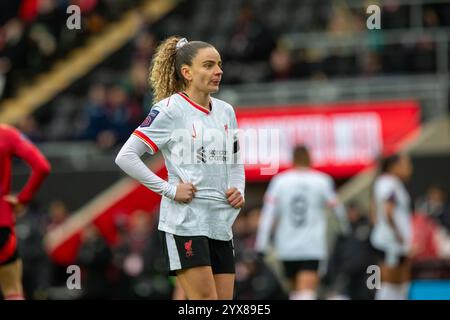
x=344, y=138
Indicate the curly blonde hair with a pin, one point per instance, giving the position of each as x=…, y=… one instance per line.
x=165, y=69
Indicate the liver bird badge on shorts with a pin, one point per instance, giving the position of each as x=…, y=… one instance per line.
x=188, y=247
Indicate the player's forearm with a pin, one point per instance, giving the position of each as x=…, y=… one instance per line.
x=341, y=215
x=390, y=219
x=130, y=162
x=339, y=210
x=265, y=227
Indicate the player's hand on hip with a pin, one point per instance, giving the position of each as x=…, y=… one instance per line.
x=235, y=198
x=185, y=192
x=17, y=207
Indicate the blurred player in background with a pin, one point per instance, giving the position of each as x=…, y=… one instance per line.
x=203, y=195
x=297, y=200
x=12, y=143
x=391, y=235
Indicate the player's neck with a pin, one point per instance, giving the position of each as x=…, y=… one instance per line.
x=301, y=167
x=201, y=98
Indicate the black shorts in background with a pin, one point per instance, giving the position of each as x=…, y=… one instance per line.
x=8, y=246
x=380, y=256
x=183, y=252
x=291, y=268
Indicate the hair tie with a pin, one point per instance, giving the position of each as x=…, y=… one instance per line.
x=181, y=43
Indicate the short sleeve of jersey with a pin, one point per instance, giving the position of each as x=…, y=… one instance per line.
x=386, y=190
x=156, y=130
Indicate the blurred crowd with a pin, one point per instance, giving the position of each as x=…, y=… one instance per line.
x=114, y=104
x=33, y=34
x=134, y=268
x=251, y=36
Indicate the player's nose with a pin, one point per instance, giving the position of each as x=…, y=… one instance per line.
x=218, y=71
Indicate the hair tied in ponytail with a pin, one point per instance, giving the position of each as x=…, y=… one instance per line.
x=181, y=43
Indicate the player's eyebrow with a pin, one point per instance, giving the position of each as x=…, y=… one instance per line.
x=212, y=61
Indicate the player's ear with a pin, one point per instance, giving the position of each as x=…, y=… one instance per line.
x=186, y=72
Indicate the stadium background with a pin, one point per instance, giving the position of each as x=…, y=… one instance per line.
x=309, y=68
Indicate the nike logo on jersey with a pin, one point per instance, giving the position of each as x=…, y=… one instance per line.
x=194, y=133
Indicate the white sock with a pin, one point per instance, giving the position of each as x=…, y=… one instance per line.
x=390, y=291
x=303, y=295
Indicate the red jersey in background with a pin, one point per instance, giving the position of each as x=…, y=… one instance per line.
x=13, y=143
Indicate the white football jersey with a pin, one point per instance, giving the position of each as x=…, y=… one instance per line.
x=297, y=200
x=199, y=146
x=389, y=187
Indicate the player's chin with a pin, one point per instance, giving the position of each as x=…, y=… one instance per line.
x=213, y=87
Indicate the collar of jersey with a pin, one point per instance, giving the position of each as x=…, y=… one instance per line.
x=195, y=105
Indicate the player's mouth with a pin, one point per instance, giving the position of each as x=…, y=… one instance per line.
x=215, y=82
